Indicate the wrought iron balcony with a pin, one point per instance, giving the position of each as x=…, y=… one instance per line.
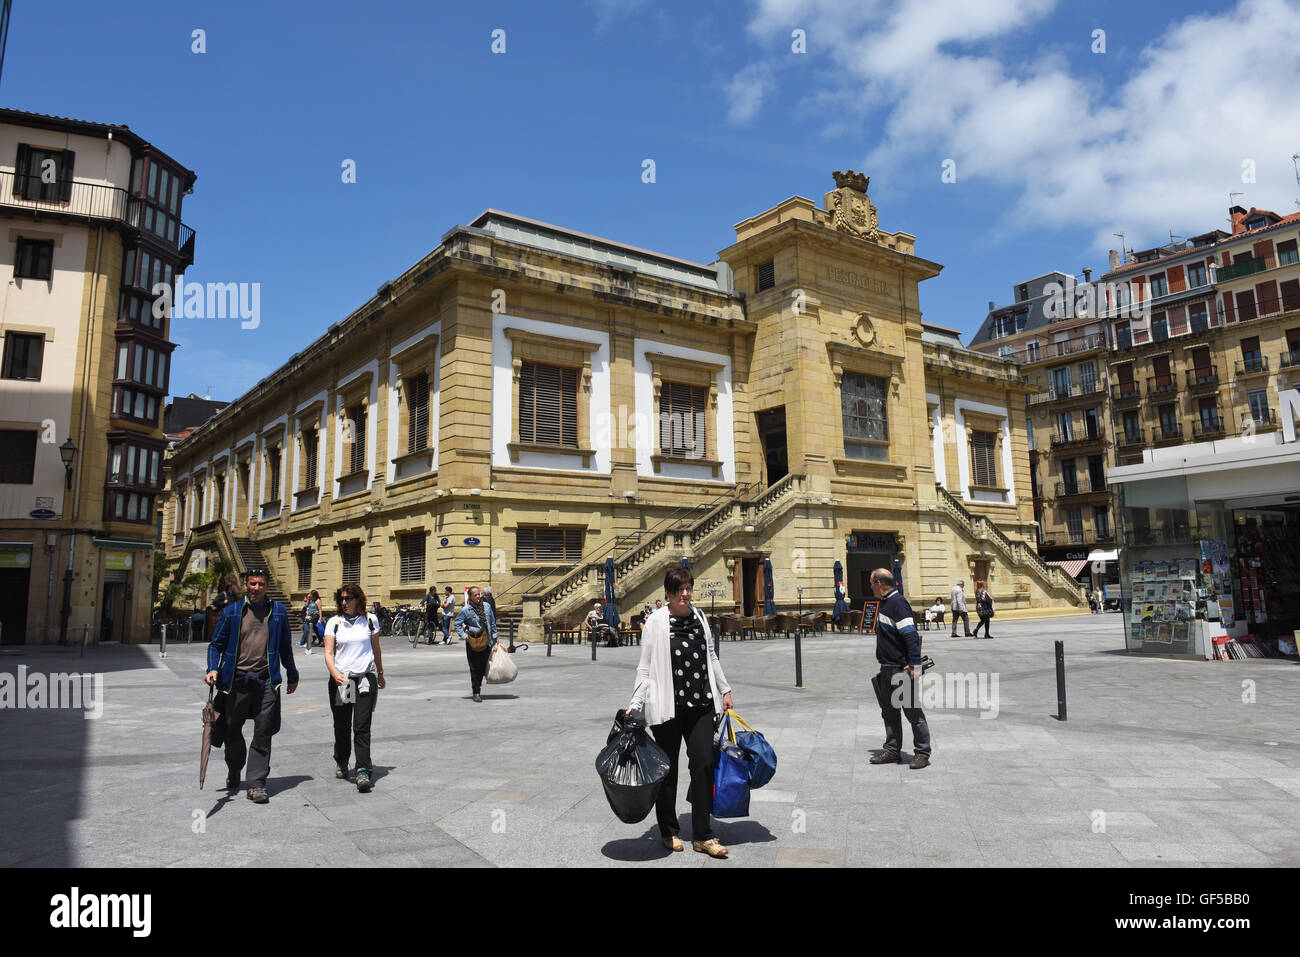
x=78, y=200
x=1264, y=421
x=1167, y=434
x=1161, y=385
x=1247, y=267
x=1203, y=379
x=1130, y=439
x=1211, y=427
x=1077, y=441
x=1289, y=360
x=1252, y=366
x=1077, y=390
x=1083, y=485
x=1125, y=392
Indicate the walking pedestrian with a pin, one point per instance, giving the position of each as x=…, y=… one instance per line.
x=252, y=639
x=310, y=615
x=352, y=655
x=478, y=627
x=898, y=649
x=983, y=608
x=448, y=613
x=959, y=608
x=432, y=606
x=679, y=685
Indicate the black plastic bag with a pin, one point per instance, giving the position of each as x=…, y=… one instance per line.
x=632, y=769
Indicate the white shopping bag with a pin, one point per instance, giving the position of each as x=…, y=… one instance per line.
x=501, y=669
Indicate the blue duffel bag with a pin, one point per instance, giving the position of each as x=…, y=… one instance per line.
x=759, y=755
x=730, y=777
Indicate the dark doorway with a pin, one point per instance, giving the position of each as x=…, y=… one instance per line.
x=751, y=583
x=14, y=583
x=115, y=606
x=771, y=434
x=866, y=552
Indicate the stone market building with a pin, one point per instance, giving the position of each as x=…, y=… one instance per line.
x=527, y=401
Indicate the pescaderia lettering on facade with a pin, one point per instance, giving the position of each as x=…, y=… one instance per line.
x=850, y=278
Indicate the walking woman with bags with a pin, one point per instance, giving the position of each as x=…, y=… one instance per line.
x=478, y=627
x=311, y=612
x=983, y=608
x=356, y=668
x=680, y=687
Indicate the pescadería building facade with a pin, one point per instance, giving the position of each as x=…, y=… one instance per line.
x=528, y=401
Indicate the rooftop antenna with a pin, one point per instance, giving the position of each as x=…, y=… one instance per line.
x=1295, y=161
x=1123, y=252
x=1230, y=205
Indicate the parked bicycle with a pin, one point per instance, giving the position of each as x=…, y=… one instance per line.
x=409, y=620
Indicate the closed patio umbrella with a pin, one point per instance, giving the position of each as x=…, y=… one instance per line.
x=769, y=589
x=898, y=576
x=610, y=611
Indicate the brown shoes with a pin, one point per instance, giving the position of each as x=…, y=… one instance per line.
x=258, y=795
x=674, y=844
x=919, y=761
x=710, y=847
x=885, y=757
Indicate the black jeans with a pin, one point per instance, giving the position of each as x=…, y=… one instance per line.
x=478, y=662
x=353, y=721
x=251, y=698
x=696, y=726
x=893, y=715
x=983, y=623
x=965, y=620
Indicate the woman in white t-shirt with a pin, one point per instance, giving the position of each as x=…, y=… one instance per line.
x=353, y=657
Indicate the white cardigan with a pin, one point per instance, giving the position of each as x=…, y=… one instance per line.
x=654, y=673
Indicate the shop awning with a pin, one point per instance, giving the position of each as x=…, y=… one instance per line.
x=1103, y=555
x=1071, y=568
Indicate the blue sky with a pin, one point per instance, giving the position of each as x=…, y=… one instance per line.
x=1055, y=145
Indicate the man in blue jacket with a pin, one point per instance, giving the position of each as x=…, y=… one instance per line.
x=898, y=649
x=248, y=645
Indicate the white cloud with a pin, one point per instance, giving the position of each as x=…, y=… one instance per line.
x=1159, y=150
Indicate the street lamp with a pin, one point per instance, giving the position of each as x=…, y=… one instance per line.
x=67, y=452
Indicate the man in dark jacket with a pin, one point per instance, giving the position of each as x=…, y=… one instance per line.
x=250, y=642
x=898, y=649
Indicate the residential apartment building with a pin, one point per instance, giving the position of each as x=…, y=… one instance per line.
x=528, y=401
x=93, y=216
x=1221, y=338
x=1053, y=331
x=1187, y=342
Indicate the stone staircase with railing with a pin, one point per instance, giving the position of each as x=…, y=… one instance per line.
x=634, y=568
x=242, y=553
x=1016, y=554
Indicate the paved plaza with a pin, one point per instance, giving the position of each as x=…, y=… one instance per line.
x=1162, y=762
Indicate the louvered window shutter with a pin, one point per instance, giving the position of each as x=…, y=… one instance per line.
x=548, y=405
x=417, y=393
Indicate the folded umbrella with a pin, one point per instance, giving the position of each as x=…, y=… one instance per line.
x=209, y=718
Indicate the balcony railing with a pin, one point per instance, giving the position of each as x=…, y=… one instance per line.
x=1084, y=485
x=1075, y=391
x=1161, y=385
x=92, y=201
x=1255, y=365
x=1288, y=360
x=1258, y=309
x=1203, y=378
x=1129, y=439
x=1247, y=267
x=1252, y=422
x=1077, y=441
x=1166, y=433
x=1126, y=392
x=1209, y=428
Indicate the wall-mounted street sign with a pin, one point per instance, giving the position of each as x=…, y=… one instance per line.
x=471, y=541
x=45, y=513
x=444, y=542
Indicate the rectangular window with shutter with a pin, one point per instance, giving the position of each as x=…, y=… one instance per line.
x=411, y=552
x=273, y=466
x=983, y=465
x=310, y=454
x=304, y=568
x=548, y=405
x=43, y=176
x=350, y=557
x=33, y=258
x=357, y=419
x=682, y=425
x=417, y=423
x=555, y=546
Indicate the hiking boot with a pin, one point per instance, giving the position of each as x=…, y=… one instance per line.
x=363, y=780
x=258, y=795
x=885, y=757
x=919, y=761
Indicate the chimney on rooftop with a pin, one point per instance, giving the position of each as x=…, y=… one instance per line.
x=1114, y=259
x=1087, y=274
x=1238, y=219
x=992, y=305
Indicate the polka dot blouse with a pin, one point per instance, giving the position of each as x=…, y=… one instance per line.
x=690, y=661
